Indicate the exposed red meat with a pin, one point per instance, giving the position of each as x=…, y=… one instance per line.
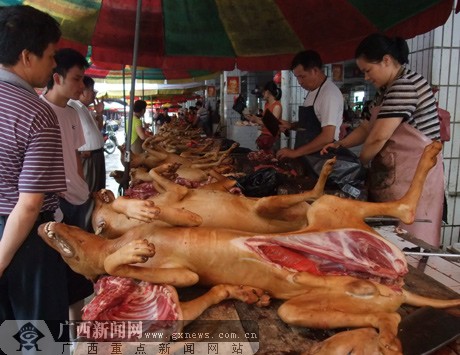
x=142, y=191
x=277, y=168
x=192, y=144
x=289, y=259
x=188, y=183
x=123, y=299
x=262, y=156
x=335, y=252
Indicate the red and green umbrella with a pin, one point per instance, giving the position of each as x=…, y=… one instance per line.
x=194, y=38
x=114, y=73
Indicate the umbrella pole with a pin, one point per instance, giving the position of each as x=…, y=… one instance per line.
x=127, y=156
x=125, y=119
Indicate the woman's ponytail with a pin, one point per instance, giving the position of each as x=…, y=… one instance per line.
x=273, y=88
x=401, y=50
x=278, y=94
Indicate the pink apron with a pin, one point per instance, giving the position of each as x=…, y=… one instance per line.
x=392, y=171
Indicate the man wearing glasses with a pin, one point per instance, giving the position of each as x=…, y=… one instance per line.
x=92, y=152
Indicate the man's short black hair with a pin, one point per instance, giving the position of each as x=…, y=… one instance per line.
x=24, y=27
x=88, y=82
x=67, y=58
x=309, y=59
x=139, y=106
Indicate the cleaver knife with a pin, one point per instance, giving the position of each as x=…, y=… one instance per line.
x=426, y=330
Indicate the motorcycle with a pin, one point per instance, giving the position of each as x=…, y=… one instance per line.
x=110, y=140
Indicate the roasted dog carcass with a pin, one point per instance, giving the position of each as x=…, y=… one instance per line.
x=192, y=167
x=337, y=272
x=180, y=206
x=155, y=155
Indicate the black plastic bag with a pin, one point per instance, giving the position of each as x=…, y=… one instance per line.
x=261, y=183
x=348, y=174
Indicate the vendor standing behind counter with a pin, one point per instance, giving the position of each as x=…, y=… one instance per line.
x=403, y=121
x=320, y=117
x=271, y=94
x=138, y=132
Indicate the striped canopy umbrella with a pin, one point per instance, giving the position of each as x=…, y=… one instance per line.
x=194, y=38
x=114, y=73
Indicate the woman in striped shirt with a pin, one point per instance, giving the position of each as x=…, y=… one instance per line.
x=403, y=121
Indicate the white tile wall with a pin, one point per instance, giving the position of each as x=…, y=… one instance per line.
x=441, y=48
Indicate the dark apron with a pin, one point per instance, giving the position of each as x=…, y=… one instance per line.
x=391, y=174
x=309, y=126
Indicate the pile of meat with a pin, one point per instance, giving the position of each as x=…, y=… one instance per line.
x=124, y=299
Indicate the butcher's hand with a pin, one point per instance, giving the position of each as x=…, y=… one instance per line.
x=143, y=210
x=326, y=148
x=254, y=119
x=285, y=153
x=285, y=126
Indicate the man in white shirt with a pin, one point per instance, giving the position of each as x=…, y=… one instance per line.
x=67, y=83
x=203, y=118
x=321, y=115
x=92, y=152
